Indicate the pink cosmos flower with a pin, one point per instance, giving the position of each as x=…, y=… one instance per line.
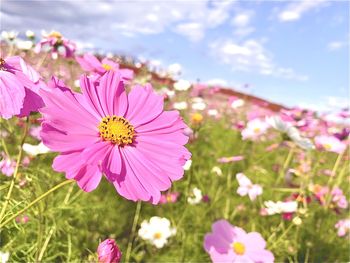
x=109, y=252
x=246, y=187
x=19, y=87
x=338, y=198
x=127, y=137
x=232, y=244
x=90, y=63
x=231, y=159
x=169, y=198
x=7, y=166
x=343, y=227
x=57, y=45
x=330, y=144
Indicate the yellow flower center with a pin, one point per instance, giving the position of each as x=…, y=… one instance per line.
x=256, y=130
x=238, y=248
x=327, y=146
x=106, y=66
x=55, y=34
x=117, y=130
x=157, y=235
x=197, y=118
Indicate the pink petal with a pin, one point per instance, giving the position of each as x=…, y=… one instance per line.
x=144, y=105
x=88, y=177
x=12, y=95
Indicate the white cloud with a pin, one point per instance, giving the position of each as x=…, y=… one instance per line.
x=336, y=45
x=295, y=10
x=193, y=31
x=241, y=23
x=241, y=20
x=105, y=18
x=250, y=56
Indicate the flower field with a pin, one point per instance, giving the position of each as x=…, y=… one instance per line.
x=104, y=160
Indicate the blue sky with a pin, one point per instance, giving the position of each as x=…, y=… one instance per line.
x=291, y=52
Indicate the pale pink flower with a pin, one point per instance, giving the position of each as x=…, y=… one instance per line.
x=343, y=227
x=246, y=187
x=169, y=198
x=232, y=244
x=254, y=129
x=7, y=165
x=56, y=44
x=330, y=144
x=231, y=159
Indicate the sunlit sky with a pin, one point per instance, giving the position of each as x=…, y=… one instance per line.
x=292, y=52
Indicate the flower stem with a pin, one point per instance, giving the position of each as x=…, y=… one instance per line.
x=36, y=201
x=133, y=229
x=19, y=158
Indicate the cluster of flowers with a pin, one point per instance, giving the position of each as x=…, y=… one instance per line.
x=139, y=147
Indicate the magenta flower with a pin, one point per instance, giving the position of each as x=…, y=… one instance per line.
x=19, y=87
x=91, y=64
x=109, y=252
x=57, y=45
x=127, y=137
x=228, y=243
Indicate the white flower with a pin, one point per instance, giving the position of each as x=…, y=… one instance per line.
x=237, y=103
x=30, y=34
x=280, y=207
x=4, y=256
x=297, y=221
x=217, y=170
x=35, y=149
x=254, y=129
x=156, y=231
x=24, y=45
x=174, y=69
x=292, y=132
x=196, y=196
x=213, y=112
x=187, y=165
x=246, y=187
x=182, y=85
x=9, y=35
x=180, y=105
x=166, y=91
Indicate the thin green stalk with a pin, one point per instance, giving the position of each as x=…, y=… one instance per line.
x=285, y=164
x=46, y=243
x=133, y=229
x=36, y=201
x=334, y=170
x=14, y=177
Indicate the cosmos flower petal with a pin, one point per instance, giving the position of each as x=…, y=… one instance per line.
x=147, y=174
x=220, y=238
x=113, y=164
x=96, y=153
x=67, y=161
x=88, y=177
x=167, y=119
x=112, y=93
x=11, y=95
x=144, y=105
x=60, y=141
x=32, y=102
